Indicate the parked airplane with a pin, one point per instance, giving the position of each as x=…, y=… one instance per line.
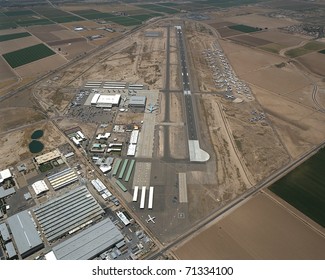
x=151, y=107
x=151, y=219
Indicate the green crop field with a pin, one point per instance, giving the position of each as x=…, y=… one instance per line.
x=27, y=55
x=42, y=21
x=322, y=51
x=19, y=13
x=308, y=48
x=304, y=188
x=244, y=28
x=126, y=21
x=145, y=17
x=9, y=37
x=66, y=19
x=158, y=8
x=169, y=4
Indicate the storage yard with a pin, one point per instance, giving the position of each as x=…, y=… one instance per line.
x=156, y=136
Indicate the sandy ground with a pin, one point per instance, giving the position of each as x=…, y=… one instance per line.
x=5, y=71
x=261, y=21
x=244, y=59
x=249, y=40
x=312, y=62
x=71, y=50
x=279, y=37
x=279, y=80
x=88, y=129
x=299, y=127
x=39, y=67
x=260, y=229
x=14, y=144
x=65, y=34
x=17, y=44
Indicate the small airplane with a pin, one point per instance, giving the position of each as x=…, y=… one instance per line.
x=151, y=219
x=152, y=108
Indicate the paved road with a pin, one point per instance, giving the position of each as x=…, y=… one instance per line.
x=191, y=125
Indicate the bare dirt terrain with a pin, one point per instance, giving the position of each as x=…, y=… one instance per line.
x=311, y=61
x=249, y=40
x=14, y=144
x=279, y=37
x=39, y=67
x=261, y=21
x=5, y=71
x=45, y=33
x=260, y=229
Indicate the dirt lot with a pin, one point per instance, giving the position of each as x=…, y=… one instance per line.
x=262, y=21
x=299, y=127
x=259, y=229
x=88, y=129
x=312, y=62
x=5, y=71
x=71, y=50
x=227, y=32
x=279, y=80
x=39, y=67
x=45, y=33
x=279, y=37
x=249, y=40
x=244, y=59
x=17, y=44
x=14, y=144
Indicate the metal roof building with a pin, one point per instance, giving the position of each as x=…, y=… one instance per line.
x=25, y=234
x=11, y=251
x=40, y=187
x=47, y=157
x=4, y=232
x=68, y=213
x=5, y=174
x=137, y=101
x=89, y=243
x=6, y=192
x=62, y=178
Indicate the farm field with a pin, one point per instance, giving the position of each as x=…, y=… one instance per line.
x=145, y=16
x=260, y=229
x=5, y=71
x=311, y=61
x=304, y=188
x=27, y=55
x=322, y=52
x=278, y=37
x=9, y=37
x=157, y=8
x=272, y=47
x=249, y=40
x=17, y=44
x=244, y=28
x=308, y=48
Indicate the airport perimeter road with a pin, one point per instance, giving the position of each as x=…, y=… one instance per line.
x=240, y=200
x=191, y=125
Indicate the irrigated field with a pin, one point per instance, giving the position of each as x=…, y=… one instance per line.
x=13, y=36
x=304, y=188
x=244, y=28
x=27, y=55
x=308, y=48
x=157, y=8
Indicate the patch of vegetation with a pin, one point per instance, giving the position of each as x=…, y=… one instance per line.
x=273, y=48
x=244, y=28
x=42, y=21
x=308, y=48
x=19, y=13
x=9, y=37
x=322, y=51
x=145, y=17
x=27, y=55
x=66, y=19
x=280, y=65
x=157, y=8
x=45, y=167
x=304, y=188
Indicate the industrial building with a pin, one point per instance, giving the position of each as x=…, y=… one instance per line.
x=62, y=178
x=40, y=187
x=6, y=192
x=137, y=102
x=68, y=213
x=89, y=243
x=4, y=175
x=25, y=234
x=11, y=251
x=105, y=101
x=101, y=188
x=4, y=233
x=47, y=157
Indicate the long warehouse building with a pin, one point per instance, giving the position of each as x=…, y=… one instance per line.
x=68, y=213
x=89, y=243
x=62, y=178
